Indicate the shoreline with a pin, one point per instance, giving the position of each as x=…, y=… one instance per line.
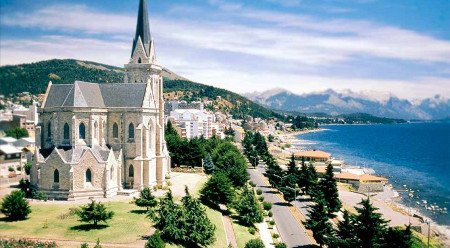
x=393, y=202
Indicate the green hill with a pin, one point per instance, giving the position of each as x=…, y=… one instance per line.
x=34, y=78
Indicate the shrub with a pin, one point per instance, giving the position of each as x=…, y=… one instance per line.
x=280, y=245
x=261, y=198
x=27, y=168
x=259, y=192
x=39, y=195
x=19, y=168
x=270, y=214
x=169, y=183
x=11, y=169
x=155, y=241
x=267, y=206
x=94, y=212
x=254, y=243
x=252, y=230
x=15, y=206
x=146, y=199
x=97, y=244
x=272, y=222
x=84, y=245
x=275, y=235
x=252, y=184
x=10, y=243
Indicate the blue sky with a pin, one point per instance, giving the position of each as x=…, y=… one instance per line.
x=372, y=47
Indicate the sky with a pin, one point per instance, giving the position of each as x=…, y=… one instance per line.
x=376, y=47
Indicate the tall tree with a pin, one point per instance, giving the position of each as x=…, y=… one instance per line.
x=208, y=165
x=312, y=181
x=217, y=190
x=170, y=219
x=370, y=228
x=303, y=175
x=330, y=192
x=399, y=238
x=234, y=165
x=288, y=186
x=345, y=233
x=248, y=208
x=319, y=224
x=199, y=229
x=292, y=166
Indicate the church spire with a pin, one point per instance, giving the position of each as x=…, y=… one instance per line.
x=142, y=29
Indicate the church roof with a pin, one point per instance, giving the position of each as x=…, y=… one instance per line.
x=142, y=28
x=75, y=154
x=93, y=95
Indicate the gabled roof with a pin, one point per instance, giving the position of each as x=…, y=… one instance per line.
x=313, y=154
x=93, y=95
x=142, y=28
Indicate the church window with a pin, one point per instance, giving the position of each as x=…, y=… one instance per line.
x=88, y=176
x=66, y=131
x=139, y=60
x=131, y=131
x=82, y=131
x=131, y=171
x=95, y=130
x=115, y=131
x=111, y=171
x=56, y=176
x=49, y=130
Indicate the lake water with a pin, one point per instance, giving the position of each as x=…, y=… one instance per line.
x=416, y=155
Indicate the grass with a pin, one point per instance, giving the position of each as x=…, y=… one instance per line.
x=242, y=234
x=420, y=241
x=53, y=221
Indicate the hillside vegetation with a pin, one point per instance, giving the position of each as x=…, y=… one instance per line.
x=34, y=78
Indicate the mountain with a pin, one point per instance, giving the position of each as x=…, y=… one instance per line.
x=34, y=78
x=348, y=102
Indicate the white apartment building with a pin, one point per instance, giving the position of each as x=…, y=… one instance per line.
x=193, y=123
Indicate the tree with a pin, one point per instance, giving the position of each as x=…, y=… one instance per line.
x=199, y=229
x=217, y=190
x=146, y=199
x=254, y=243
x=16, y=132
x=94, y=212
x=208, y=165
x=369, y=225
x=288, y=186
x=292, y=166
x=345, y=233
x=15, y=206
x=248, y=208
x=397, y=237
x=330, y=192
x=274, y=173
x=311, y=181
x=303, y=176
x=155, y=241
x=234, y=165
x=27, y=167
x=319, y=224
x=169, y=218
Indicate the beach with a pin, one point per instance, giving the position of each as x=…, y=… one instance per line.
x=388, y=202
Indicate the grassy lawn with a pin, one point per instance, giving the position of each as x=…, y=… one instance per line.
x=53, y=221
x=242, y=234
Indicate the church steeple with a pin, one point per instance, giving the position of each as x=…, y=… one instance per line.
x=142, y=29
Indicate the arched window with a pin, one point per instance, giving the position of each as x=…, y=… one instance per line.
x=131, y=131
x=139, y=60
x=82, y=131
x=49, y=130
x=56, y=176
x=95, y=130
x=115, y=131
x=88, y=176
x=131, y=171
x=66, y=131
x=111, y=172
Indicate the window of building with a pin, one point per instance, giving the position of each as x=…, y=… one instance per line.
x=88, y=176
x=66, y=131
x=131, y=131
x=82, y=131
x=131, y=171
x=95, y=130
x=115, y=131
x=139, y=60
x=56, y=176
x=49, y=130
x=111, y=171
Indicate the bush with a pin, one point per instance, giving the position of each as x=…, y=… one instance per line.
x=270, y=214
x=19, y=168
x=280, y=245
x=15, y=206
x=13, y=243
x=94, y=212
x=27, y=168
x=272, y=222
x=252, y=184
x=252, y=230
x=146, y=199
x=155, y=241
x=267, y=206
x=275, y=235
x=261, y=198
x=11, y=169
x=259, y=192
x=254, y=243
x=39, y=195
x=84, y=245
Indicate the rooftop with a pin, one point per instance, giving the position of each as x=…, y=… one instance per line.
x=312, y=154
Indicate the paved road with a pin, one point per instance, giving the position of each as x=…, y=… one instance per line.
x=291, y=230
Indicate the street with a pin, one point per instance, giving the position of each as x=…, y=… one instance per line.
x=291, y=230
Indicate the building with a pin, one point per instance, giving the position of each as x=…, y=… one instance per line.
x=364, y=183
x=312, y=156
x=95, y=140
x=21, y=117
x=10, y=159
x=193, y=123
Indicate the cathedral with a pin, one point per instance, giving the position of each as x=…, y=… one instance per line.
x=98, y=140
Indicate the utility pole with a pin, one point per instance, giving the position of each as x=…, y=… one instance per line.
x=428, y=222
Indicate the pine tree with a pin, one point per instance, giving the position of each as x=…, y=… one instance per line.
x=345, y=233
x=311, y=181
x=330, y=192
x=292, y=166
x=146, y=199
x=217, y=190
x=319, y=224
x=170, y=219
x=288, y=186
x=15, y=206
x=208, y=164
x=303, y=176
x=274, y=173
x=370, y=228
x=248, y=208
x=94, y=212
x=399, y=238
x=199, y=229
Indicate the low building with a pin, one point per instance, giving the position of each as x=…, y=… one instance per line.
x=312, y=156
x=10, y=157
x=363, y=183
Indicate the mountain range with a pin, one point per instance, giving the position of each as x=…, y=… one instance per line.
x=332, y=102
